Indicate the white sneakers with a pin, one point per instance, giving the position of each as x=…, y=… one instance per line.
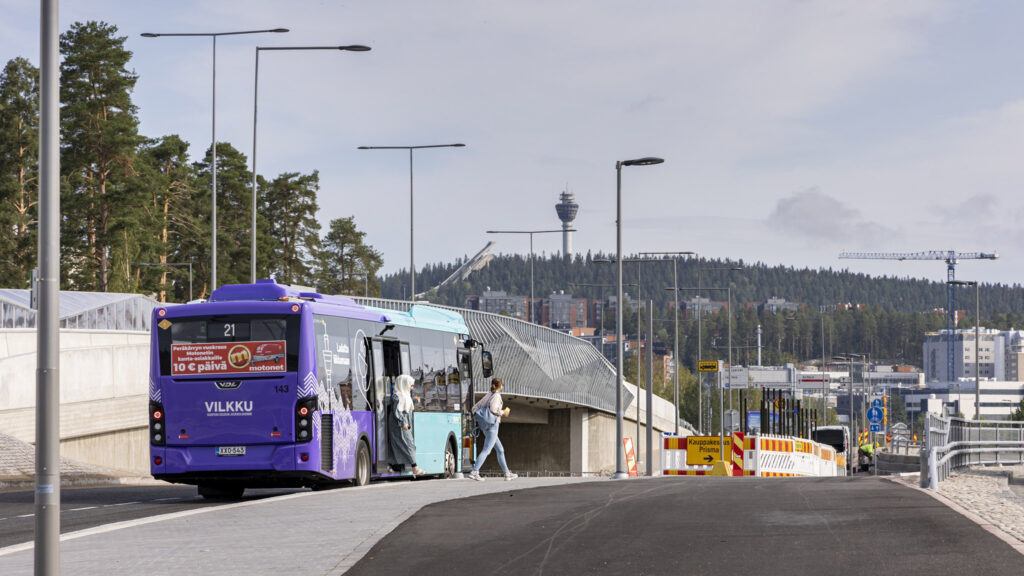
x=475, y=475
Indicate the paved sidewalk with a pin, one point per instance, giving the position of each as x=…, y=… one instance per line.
x=311, y=533
x=985, y=492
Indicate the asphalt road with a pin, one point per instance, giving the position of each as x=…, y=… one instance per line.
x=695, y=525
x=82, y=508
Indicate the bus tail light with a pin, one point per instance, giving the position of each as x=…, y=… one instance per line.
x=304, y=419
x=157, y=424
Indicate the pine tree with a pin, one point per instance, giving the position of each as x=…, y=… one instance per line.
x=19, y=183
x=289, y=209
x=100, y=136
x=173, y=229
x=234, y=214
x=347, y=265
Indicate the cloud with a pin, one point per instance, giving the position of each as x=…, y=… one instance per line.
x=817, y=218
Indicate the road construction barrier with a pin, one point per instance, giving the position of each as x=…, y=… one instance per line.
x=673, y=458
x=764, y=455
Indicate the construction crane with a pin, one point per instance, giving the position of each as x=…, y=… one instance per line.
x=951, y=257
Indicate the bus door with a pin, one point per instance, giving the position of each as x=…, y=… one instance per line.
x=467, y=400
x=389, y=358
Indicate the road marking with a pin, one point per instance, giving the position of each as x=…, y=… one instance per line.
x=86, y=508
x=166, y=499
x=120, y=504
x=161, y=518
x=25, y=516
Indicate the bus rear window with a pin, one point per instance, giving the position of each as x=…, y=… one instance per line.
x=235, y=345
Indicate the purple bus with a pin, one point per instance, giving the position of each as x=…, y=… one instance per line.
x=264, y=385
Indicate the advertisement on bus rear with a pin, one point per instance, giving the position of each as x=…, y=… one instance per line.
x=216, y=358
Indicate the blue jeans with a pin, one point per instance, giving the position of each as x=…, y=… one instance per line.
x=491, y=441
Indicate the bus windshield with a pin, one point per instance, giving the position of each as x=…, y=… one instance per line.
x=229, y=344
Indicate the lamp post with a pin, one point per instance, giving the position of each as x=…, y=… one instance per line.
x=189, y=264
x=977, y=342
x=721, y=401
x=854, y=447
x=531, y=233
x=213, y=146
x=255, y=102
x=675, y=349
x=729, y=320
x=647, y=161
x=412, y=261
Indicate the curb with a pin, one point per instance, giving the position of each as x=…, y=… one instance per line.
x=16, y=483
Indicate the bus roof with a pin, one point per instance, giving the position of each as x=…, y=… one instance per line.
x=419, y=316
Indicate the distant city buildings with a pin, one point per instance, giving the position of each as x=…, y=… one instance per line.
x=1000, y=355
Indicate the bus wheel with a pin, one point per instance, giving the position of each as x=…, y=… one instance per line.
x=449, y=460
x=362, y=465
x=221, y=491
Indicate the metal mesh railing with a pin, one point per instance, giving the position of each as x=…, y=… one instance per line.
x=952, y=443
x=536, y=361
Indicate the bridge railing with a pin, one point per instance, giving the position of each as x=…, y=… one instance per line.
x=952, y=443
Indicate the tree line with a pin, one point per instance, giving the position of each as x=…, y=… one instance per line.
x=837, y=311
x=129, y=199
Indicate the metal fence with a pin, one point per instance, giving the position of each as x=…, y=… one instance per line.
x=952, y=443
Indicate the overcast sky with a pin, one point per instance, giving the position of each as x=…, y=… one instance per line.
x=791, y=131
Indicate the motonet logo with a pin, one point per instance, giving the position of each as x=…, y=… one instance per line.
x=235, y=408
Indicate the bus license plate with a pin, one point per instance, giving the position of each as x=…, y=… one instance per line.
x=231, y=451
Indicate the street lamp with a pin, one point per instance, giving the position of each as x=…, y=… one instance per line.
x=977, y=342
x=255, y=101
x=675, y=349
x=189, y=264
x=646, y=161
x=213, y=146
x=412, y=264
x=854, y=447
x=650, y=375
x=531, y=233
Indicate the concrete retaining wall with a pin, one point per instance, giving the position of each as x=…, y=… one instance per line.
x=887, y=463
x=104, y=379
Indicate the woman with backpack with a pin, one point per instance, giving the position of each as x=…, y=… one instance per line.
x=487, y=414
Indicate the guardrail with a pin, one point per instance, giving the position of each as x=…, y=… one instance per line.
x=952, y=443
x=903, y=445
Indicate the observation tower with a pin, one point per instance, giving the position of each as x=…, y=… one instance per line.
x=567, y=209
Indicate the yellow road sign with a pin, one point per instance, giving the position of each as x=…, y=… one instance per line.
x=707, y=366
x=704, y=450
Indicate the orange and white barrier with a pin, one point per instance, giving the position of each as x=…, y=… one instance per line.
x=765, y=456
x=673, y=458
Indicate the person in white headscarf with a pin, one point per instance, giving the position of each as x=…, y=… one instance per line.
x=403, y=447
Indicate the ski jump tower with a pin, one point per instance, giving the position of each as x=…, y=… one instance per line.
x=567, y=209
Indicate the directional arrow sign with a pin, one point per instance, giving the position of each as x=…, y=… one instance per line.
x=703, y=450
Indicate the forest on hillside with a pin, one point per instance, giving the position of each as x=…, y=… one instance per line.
x=839, y=312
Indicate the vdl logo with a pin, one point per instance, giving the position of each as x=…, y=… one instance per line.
x=229, y=384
